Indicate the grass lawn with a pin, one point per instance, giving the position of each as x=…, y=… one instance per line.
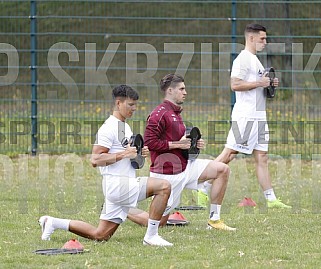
x=33, y=186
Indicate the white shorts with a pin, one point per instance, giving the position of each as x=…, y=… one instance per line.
x=188, y=179
x=247, y=134
x=121, y=193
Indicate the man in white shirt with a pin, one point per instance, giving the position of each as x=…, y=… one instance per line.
x=121, y=188
x=249, y=130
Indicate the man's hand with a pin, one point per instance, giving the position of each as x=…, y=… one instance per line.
x=275, y=82
x=145, y=152
x=200, y=144
x=130, y=152
x=264, y=82
x=183, y=143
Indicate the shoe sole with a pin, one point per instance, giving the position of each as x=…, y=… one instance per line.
x=279, y=207
x=209, y=227
x=282, y=207
x=145, y=243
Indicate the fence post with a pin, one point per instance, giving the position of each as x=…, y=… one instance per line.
x=33, y=67
x=233, y=19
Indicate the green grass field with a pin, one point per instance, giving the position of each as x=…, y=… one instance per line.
x=33, y=186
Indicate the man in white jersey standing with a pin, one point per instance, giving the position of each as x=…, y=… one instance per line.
x=121, y=188
x=249, y=131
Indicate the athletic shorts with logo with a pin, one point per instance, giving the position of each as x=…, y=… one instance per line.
x=188, y=179
x=247, y=134
x=121, y=193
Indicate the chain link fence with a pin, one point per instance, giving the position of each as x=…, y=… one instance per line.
x=59, y=61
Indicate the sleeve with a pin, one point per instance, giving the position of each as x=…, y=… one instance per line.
x=104, y=137
x=154, y=136
x=240, y=67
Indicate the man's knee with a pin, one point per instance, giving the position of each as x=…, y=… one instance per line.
x=222, y=169
x=102, y=236
x=166, y=187
x=261, y=157
x=160, y=186
x=225, y=169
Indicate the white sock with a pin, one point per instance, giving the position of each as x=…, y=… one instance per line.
x=204, y=187
x=207, y=186
x=61, y=223
x=215, y=212
x=201, y=187
x=269, y=195
x=152, y=227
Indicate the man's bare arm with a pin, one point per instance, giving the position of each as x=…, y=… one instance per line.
x=101, y=156
x=241, y=85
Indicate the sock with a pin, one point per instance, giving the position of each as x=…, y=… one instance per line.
x=152, y=227
x=201, y=187
x=215, y=212
x=61, y=223
x=269, y=195
x=207, y=186
x=204, y=187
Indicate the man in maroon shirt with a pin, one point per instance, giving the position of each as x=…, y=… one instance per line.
x=166, y=140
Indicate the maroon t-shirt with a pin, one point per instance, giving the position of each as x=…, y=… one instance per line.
x=165, y=124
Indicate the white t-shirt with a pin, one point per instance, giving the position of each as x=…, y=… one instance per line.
x=110, y=135
x=250, y=104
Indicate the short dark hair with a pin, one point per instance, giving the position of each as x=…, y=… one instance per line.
x=125, y=91
x=254, y=28
x=169, y=80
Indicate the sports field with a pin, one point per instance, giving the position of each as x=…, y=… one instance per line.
x=67, y=186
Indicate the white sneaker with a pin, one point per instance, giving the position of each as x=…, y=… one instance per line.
x=46, y=227
x=156, y=240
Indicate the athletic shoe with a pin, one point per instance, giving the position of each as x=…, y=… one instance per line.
x=46, y=227
x=277, y=204
x=219, y=225
x=202, y=199
x=156, y=240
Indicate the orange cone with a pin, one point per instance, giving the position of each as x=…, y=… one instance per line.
x=177, y=219
x=177, y=216
x=247, y=201
x=73, y=244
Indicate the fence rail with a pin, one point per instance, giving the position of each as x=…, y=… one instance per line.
x=59, y=61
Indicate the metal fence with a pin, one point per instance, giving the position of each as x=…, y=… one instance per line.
x=59, y=61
